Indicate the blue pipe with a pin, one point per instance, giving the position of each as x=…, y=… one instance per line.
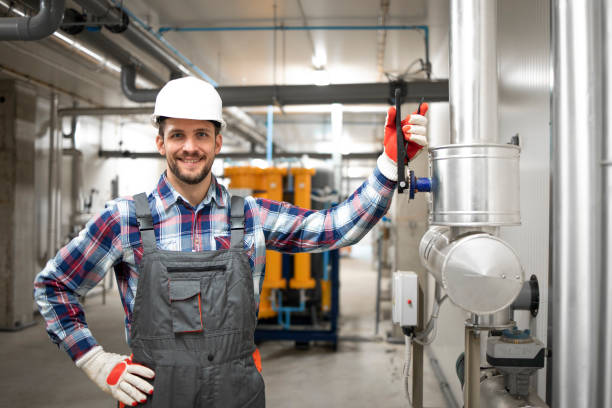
x=299, y=28
x=166, y=43
x=269, y=133
x=286, y=311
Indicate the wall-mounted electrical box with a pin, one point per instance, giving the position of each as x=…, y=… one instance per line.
x=405, y=295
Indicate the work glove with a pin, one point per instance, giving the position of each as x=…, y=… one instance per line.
x=117, y=375
x=414, y=127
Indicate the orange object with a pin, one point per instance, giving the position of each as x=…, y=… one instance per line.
x=257, y=359
x=301, y=266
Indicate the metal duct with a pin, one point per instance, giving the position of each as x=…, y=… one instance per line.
x=432, y=91
x=577, y=256
x=133, y=34
x=128, y=86
x=33, y=28
x=473, y=265
x=473, y=71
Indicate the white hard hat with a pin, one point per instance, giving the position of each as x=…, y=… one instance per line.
x=188, y=98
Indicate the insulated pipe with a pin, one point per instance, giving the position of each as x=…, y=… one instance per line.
x=473, y=72
x=605, y=374
x=128, y=86
x=33, y=28
x=576, y=200
x=101, y=9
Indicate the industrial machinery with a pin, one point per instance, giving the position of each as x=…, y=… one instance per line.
x=299, y=297
x=474, y=192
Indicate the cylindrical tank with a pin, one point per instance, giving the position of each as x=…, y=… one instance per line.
x=479, y=272
x=475, y=185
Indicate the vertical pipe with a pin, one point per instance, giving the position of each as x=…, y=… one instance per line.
x=576, y=202
x=336, y=136
x=471, y=388
x=269, y=133
x=473, y=72
x=606, y=352
x=417, y=349
x=51, y=178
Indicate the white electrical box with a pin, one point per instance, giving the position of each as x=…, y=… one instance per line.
x=405, y=288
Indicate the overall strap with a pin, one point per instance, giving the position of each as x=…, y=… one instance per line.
x=145, y=222
x=237, y=222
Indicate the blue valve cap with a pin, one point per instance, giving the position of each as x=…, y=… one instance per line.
x=423, y=184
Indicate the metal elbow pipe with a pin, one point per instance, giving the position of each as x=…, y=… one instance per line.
x=471, y=267
x=33, y=28
x=128, y=86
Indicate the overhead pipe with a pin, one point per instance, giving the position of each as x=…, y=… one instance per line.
x=161, y=39
x=128, y=86
x=122, y=56
x=577, y=233
x=102, y=9
x=43, y=24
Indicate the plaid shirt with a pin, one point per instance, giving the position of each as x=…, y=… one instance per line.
x=112, y=239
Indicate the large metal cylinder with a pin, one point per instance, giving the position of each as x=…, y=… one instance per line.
x=576, y=225
x=475, y=185
x=479, y=272
x=473, y=72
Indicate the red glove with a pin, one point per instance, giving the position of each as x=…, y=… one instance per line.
x=415, y=129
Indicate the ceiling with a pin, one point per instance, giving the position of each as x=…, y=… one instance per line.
x=249, y=57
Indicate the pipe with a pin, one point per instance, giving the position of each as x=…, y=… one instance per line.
x=576, y=200
x=51, y=179
x=134, y=35
x=471, y=389
x=126, y=154
x=128, y=86
x=473, y=72
x=382, y=38
x=148, y=29
x=605, y=374
x=269, y=133
x=43, y=24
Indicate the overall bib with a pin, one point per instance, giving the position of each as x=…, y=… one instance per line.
x=194, y=321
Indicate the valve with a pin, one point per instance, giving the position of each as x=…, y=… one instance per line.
x=413, y=184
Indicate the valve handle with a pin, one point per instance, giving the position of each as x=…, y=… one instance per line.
x=401, y=148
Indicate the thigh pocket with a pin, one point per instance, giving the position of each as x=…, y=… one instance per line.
x=186, y=303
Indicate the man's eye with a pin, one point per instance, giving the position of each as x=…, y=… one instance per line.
x=202, y=134
x=176, y=135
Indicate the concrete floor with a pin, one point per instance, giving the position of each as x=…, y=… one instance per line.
x=359, y=374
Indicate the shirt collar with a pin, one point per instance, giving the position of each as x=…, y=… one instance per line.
x=169, y=196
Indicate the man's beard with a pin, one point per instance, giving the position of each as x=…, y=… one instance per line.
x=196, y=179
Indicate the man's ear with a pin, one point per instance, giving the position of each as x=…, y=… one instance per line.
x=218, y=143
x=159, y=141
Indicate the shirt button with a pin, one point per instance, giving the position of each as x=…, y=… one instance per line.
x=210, y=357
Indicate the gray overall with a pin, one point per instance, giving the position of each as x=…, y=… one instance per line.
x=194, y=320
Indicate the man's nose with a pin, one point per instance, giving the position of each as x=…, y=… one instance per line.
x=189, y=144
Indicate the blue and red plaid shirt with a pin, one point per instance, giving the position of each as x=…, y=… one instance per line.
x=112, y=239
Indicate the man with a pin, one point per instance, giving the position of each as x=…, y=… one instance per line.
x=189, y=262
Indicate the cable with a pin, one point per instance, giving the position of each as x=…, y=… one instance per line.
x=422, y=337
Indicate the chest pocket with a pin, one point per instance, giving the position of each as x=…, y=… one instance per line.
x=198, y=298
x=186, y=304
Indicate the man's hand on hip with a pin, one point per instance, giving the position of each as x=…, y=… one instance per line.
x=414, y=128
x=117, y=375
